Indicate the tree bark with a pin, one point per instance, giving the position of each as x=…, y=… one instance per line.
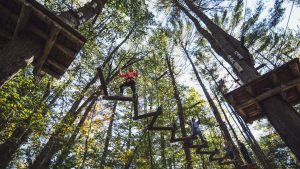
x=287, y=126
x=108, y=137
x=180, y=112
x=21, y=133
x=57, y=139
x=71, y=141
x=215, y=111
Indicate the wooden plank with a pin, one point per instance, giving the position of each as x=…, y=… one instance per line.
x=40, y=33
x=294, y=69
x=56, y=65
x=69, y=53
x=204, y=145
x=103, y=82
x=45, y=15
x=23, y=18
x=145, y=115
x=49, y=45
x=52, y=73
x=55, y=18
x=231, y=99
x=274, y=78
x=270, y=93
x=205, y=152
x=249, y=90
x=121, y=98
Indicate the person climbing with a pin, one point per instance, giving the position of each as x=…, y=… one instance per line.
x=129, y=81
x=228, y=151
x=244, y=152
x=195, y=130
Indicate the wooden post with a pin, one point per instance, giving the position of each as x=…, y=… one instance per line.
x=49, y=45
x=23, y=18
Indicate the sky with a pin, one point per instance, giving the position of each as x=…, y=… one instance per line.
x=294, y=23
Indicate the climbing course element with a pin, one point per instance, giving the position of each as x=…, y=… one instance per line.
x=62, y=42
x=155, y=116
x=173, y=139
x=284, y=81
x=105, y=91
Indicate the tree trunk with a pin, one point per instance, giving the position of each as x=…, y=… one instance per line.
x=281, y=115
x=180, y=112
x=108, y=137
x=71, y=141
x=18, y=53
x=21, y=133
x=254, y=145
x=57, y=139
x=215, y=111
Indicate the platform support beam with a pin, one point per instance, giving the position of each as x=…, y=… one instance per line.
x=49, y=45
x=23, y=19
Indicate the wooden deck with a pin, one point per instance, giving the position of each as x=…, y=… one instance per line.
x=283, y=82
x=62, y=42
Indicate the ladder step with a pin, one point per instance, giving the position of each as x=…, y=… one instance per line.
x=206, y=152
x=145, y=115
x=160, y=128
x=121, y=98
x=204, y=145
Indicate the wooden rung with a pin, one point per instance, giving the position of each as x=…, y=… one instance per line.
x=49, y=45
x=23, y=18
x=103, y=82
x=145, y=115
x=58, y=66
x=270, y=93
x=121, y=98
x=206, y=152
x=204, y=145
x=160, y=128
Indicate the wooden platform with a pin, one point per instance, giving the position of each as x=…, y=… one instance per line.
x=283, y=82
x=62, y=42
